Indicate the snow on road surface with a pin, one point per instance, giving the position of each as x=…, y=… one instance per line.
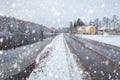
x=108, y=39
x=59, y=65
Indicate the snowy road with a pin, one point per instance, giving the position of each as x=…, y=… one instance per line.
x=74, y=58
x=101, y=61
x=59, y=63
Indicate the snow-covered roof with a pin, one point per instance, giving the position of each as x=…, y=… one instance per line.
x=88, y=27
x=80, y=28
x=102, y=28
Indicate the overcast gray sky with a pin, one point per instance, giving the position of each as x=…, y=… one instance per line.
x=57, y=13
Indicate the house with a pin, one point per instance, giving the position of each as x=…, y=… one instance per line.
x=81, y=29
x=87, y=29
x=90, y=30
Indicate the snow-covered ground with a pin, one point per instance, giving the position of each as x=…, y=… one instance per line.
x=109, y=39
x=58, y=63
x=14, y=60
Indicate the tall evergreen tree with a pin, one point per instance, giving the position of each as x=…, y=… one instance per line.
x=80, y=22
x=75, y=24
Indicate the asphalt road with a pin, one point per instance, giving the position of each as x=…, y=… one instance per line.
x=101, y=61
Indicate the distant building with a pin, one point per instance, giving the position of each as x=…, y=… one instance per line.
x=81, y=29
x=90, y=30
x=86, y=29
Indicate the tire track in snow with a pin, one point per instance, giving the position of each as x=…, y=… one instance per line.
x=76, y=72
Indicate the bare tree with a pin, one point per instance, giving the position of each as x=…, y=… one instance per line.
x=106, y=23
x=97, y=24
x=115, y=21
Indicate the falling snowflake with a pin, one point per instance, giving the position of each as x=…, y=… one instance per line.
x=119, y=62
x=1, y=73
x=15, y=65
x=114, y=71
x=19, y=69
x=34, y=38
x=106, y=62
x=50, y=74
x=87, y=57
x=95, y=71
x=24, y=48
x=31, y=45
x=1, y=52
x=13, y=5
x=102, y=73
x=1, y=40
x=56, y=76
x=10, y=70
x=90, y=11
x=103, y=5
x=109, y=76
x=33, y=31
x=55, y=12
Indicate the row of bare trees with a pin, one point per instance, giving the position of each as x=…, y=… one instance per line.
x=109, y=24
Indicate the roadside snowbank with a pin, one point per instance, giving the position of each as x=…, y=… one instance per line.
x=108, y=39
x=58, y=65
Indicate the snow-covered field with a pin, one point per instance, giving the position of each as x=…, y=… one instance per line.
x=14, y=60
x=109, y=39
x=59, y=63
